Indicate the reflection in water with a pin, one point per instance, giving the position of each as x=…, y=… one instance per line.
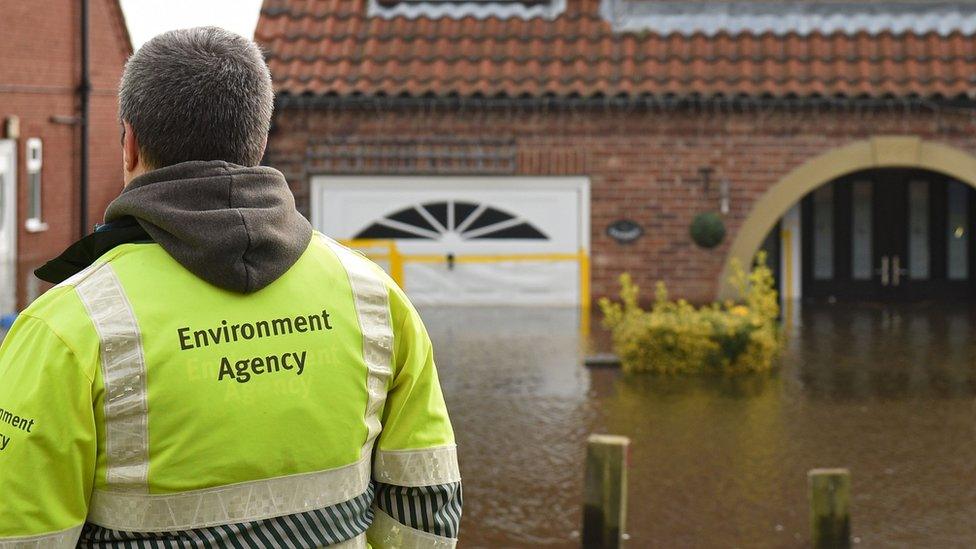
x=519, y=405
x=906, y=352
x=887, y=392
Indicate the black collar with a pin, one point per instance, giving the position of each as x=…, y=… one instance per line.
x=81, y=254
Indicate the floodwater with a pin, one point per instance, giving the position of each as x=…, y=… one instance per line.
x=889, y=392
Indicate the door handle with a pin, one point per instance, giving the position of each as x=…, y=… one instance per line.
x=884, y=271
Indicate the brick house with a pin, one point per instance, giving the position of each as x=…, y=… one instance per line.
x=40, y=141
x=841, y=136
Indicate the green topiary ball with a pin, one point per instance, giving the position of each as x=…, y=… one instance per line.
x=707, y=230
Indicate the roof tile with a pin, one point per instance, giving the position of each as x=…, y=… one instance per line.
x=332, y=47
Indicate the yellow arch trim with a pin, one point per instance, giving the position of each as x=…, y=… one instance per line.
x=877, y=152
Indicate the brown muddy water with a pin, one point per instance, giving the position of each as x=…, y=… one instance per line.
x=888, y=392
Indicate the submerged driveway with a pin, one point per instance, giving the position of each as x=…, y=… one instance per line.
x=885, y=391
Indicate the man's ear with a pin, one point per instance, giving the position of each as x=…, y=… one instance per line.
x=130, y=148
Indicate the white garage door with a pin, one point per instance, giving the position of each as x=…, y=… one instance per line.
x=468, y=240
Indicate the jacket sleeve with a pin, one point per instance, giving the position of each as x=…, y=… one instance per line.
x=415, y=468
x=47, y=439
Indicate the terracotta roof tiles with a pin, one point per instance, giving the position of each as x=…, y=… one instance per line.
x=332, y=47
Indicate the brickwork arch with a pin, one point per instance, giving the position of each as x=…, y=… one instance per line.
x=876, y=152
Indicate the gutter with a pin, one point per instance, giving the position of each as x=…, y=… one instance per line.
x=625, y=103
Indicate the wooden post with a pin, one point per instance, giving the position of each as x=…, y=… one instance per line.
x=605, y=492
x=830, y=514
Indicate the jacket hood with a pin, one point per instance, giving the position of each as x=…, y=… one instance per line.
x=235, y=227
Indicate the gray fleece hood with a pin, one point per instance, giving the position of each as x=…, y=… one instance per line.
x=233, y=226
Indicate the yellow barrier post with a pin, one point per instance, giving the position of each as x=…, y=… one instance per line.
x=585, y=300
x=392, y=254
x=787, y=283
x=396, y=265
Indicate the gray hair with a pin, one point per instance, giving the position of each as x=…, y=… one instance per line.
x=198, y=94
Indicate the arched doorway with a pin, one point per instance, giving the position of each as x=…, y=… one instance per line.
x=872, y=158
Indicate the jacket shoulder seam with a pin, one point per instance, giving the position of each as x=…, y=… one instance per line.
x=79, y=277
x=76, y=279
x=74, y=354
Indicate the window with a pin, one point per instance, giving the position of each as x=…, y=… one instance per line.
x=390, y=3
x=469, y=221
x=458, y=9
x=34, y=194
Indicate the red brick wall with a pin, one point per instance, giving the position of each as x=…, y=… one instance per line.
x=642, y=165
x=39, y=76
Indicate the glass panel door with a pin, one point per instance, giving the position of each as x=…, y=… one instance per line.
x=889, y=235
x=823, y=233
x=838, y=240
x=891, y=232
x=919, y=256
x=862, y=256
x=957, y=249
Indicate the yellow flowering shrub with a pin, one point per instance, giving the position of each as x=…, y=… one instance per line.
x=674, y=337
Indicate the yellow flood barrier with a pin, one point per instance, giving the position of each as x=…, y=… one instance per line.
x=387, y=251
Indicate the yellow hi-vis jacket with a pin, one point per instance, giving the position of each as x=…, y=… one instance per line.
x=143, y=407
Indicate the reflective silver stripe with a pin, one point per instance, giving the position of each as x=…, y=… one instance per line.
x=372, y=298
x=358, y=542
x=55, y=540
x=74, y=279
x=124, y=375
x=417, y=467
x=234, y=503
x=387, y=532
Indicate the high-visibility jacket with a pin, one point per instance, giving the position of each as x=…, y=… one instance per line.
x=143, y=407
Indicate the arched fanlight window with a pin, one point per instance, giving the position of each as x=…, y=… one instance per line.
x=470, y=221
